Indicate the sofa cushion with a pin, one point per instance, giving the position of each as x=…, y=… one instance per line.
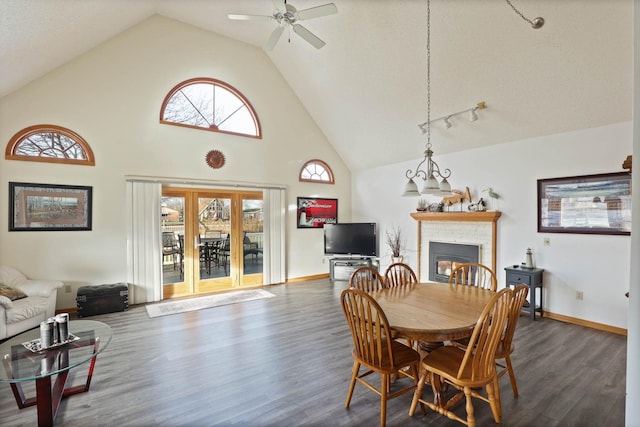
x=9, y=276
x=12, y=293
x=26, y=308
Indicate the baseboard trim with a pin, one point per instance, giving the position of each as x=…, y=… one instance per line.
x=587, y=323
x=302, y=279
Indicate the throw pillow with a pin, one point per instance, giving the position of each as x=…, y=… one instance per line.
x=11, y=293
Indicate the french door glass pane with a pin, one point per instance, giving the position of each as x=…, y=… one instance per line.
x=214, y=226
x=252, y=227
x=172, y=239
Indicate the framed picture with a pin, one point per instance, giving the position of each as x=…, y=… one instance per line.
x=315, y=213
x=48, y=207
x=589, y=204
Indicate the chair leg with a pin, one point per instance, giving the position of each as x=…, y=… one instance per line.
x=352, y=384
x=512, y=376
x=417, y=395
x=493, y=394
x=496, y=387
x=471, y=419
x=416, y=378
x=384, y=389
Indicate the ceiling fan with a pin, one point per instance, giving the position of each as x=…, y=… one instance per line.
x=287, y=15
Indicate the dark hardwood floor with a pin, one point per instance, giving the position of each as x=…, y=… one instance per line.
x=286, y=361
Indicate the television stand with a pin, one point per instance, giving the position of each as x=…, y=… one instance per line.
x=342, y=268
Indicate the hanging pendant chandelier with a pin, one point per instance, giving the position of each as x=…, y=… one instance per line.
x=432, y=172
x=435, y=180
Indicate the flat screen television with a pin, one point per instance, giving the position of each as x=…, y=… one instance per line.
x=351, y=239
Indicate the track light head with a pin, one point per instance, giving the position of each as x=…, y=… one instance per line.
x=447, y=122
x=473, y=116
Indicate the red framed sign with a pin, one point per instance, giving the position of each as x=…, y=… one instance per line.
x=315, y=212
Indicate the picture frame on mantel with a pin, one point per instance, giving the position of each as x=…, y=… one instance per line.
x=49, y=207
x=588, y=204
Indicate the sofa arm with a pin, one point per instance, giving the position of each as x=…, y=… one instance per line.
x=39, y=288
x=5, y=302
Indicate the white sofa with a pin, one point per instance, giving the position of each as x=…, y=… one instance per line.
x=26, y=313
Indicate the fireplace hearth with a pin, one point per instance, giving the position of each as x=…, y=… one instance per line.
x=443, y=256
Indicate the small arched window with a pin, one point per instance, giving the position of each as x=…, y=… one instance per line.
x=210, y=104
x=49, y=143
x=316, y=171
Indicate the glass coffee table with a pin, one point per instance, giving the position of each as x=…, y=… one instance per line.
x=22, y=364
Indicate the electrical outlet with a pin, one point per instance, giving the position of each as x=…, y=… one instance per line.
x=67, y=289
x=579, y=295
x=546, y=241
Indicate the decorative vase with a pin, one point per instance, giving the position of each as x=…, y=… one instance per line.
x=396, y=259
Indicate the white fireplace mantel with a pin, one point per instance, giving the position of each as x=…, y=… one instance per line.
x=455, y=226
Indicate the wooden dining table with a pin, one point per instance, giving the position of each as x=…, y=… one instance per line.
x=431, y=312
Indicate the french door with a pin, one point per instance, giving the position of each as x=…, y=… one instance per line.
x=212, y=240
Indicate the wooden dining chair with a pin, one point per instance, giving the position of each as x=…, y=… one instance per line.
x=399, y=274
x=470, y=369
x=375, y=349
x=366, y=279
x=506, y=347
x=474, y=274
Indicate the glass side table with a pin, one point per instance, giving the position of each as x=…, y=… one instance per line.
x=22, y=364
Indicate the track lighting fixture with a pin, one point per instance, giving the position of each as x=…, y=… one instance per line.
x=473, y=116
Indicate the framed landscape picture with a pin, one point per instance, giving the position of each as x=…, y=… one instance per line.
x=589, y=204
x=48, y=207
x=315, y=212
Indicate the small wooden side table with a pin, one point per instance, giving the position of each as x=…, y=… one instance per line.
x=531, y=277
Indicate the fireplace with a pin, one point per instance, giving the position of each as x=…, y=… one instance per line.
x=478, y=229
x=443, y=256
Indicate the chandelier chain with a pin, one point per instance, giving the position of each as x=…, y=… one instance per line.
x=428, y=130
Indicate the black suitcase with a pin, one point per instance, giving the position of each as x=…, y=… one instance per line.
x=101, y=299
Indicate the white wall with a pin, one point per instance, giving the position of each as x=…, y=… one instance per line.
x=598, y=265
x=112, y=96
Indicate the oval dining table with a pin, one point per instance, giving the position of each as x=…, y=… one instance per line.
x=431, y=312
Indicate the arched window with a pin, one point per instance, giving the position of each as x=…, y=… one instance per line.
x=316, y=171
x=49, y=143
x=210, y=104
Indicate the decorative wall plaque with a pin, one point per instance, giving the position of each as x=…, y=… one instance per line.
x=215, y=159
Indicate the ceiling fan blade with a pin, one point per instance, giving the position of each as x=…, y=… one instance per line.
x=311, y=38
x=279, y=5
x=273, y=39
x=237, y=17
x=317, y=12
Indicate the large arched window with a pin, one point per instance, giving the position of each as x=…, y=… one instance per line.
x=49, y=143
x=210, y=104
x=316, y=171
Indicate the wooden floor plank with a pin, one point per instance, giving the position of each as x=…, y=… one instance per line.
x=286, y=361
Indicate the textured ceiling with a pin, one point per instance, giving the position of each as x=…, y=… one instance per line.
x=366, y=89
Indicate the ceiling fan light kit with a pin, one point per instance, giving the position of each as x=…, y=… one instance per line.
x=286, y=15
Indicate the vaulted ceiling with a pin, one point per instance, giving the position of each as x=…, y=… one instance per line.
x=366, y=89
